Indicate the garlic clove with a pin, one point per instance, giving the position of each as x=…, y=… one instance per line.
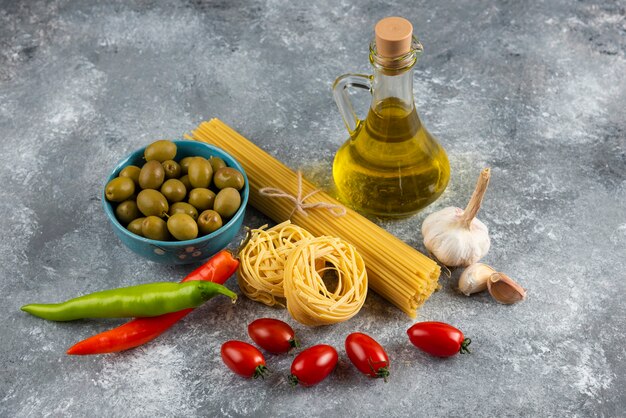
x=474, y=278
x=504, y=289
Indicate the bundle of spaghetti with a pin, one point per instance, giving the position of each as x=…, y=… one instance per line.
x=262, y=261
x=309, y=299
x=396, y=271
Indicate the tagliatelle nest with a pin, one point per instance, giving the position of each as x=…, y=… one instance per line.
x=309, y=300
x=261, y=272
x=286, y=264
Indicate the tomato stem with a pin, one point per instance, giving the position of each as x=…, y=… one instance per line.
x=382, y=372
x=260, y=371
x=294, y=343
x=293, y=380
x=466, y=342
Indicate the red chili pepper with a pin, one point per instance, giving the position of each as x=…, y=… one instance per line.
x=141, y=330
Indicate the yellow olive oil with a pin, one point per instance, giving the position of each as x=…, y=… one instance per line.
x=391, y=166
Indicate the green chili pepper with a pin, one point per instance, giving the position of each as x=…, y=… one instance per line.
x=150, y=299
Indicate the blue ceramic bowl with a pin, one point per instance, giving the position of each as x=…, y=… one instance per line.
x=180, y=252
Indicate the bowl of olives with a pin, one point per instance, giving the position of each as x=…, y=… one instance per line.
x=176, y=202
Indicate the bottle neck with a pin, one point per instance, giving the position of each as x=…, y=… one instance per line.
x=393, y=77
x=396, y=88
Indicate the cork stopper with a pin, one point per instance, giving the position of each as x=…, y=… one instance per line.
x=393, y=37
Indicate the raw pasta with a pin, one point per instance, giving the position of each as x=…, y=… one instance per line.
x=396, y=271
x=309, y=299
x=321, y=280
x=261, y=270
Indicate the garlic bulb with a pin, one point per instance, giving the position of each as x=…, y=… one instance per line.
x=504, y=289
x=474, y=278
x=454, y=235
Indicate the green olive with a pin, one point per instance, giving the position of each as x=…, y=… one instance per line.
x=132, y=172
x=135, y=226
x=151, y=175
x=152, y=203
x=185, y=180
x=201, y=199
x=127, y=211
x=200, y=173
x=154, y=227
x=184, y=165
x=182, y=207
x=182, y=226
x=209, y=221
x=174, y=190
x=216, y=163
x=228, y=177
x=160, y=151
x=119, y=189
x=227, y=201
x=171, y=168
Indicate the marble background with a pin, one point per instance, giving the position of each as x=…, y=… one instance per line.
x=534, y=89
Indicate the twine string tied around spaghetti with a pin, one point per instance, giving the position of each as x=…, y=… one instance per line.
x=299, y=201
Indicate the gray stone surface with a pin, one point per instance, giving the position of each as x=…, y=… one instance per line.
x=534, y=89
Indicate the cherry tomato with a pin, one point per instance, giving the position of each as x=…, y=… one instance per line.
x=312, y=365
x=272, y=335
x=438, y=339
x=367, y=355
x=244, y=359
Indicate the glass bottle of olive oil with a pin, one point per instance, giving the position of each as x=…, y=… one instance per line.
x=391, y=166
